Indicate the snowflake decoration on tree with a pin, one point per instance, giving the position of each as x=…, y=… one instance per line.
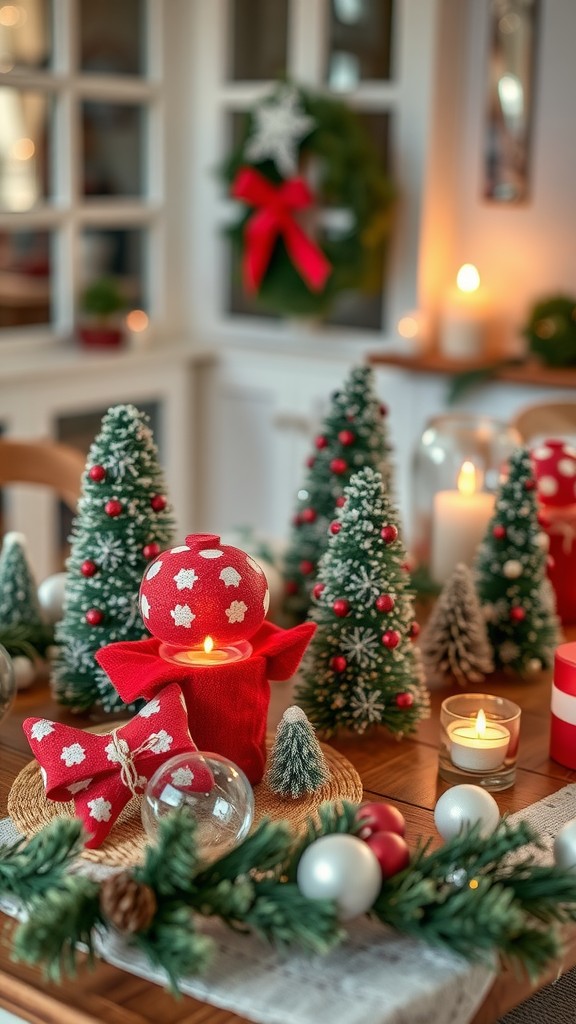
x=367, y=706
x=360, y=645
x=280, y=126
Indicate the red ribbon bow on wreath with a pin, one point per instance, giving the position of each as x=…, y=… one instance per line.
x=101, y=773
x=274, y=217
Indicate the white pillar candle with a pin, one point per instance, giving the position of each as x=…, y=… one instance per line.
x=478, y=746
x=459, y=521
x=464, y=317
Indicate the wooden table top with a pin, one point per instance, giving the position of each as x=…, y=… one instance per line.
x=402, y=772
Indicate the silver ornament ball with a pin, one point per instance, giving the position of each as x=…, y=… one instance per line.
x=565, y=847
x=534, y=665
x=51, y=596
x=465, y=805
x=342, y=868
x=512, y=569
x=24, y=671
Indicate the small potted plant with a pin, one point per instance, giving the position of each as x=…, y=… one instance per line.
x=101, y=303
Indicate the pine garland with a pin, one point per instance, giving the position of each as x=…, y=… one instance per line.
x=470, y=895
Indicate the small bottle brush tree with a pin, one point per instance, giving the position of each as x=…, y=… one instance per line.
x=123, y=522
x=353, y=435
x=296, y=764
x=362, y=667
x=511, y=582
x=454, y=644
x=22, y=629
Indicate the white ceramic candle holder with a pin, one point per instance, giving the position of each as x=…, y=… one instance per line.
x=479, y=736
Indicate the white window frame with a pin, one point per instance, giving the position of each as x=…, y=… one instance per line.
x=67, y=213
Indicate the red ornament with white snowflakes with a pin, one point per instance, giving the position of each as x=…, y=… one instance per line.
x=554, y=464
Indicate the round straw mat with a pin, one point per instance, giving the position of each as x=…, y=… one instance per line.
x=30, y=809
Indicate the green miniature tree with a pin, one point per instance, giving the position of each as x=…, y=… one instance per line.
x=454, y=644
x=123, y=522
x=511, y=580
x=353, y=435
x=362, y=668
x=22, y=629
x=296, y=764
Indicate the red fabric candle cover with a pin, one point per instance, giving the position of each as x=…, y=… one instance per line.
x=227, y=704
x=560, y=526
x=563, y=706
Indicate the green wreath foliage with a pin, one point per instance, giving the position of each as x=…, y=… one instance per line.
x=348, y=175
x=551, y=330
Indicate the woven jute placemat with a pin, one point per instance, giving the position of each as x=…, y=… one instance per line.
x=30, y=810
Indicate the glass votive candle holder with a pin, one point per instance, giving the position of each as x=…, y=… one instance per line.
x=479, y=736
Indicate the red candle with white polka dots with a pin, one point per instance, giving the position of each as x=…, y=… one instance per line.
x=555, y=472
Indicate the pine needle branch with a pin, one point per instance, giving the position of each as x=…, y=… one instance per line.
x=58, y=921
x=332, y=817
x=170, y=865
x=28, y=869
x=172, y=944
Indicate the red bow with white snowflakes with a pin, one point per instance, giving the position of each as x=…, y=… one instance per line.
x=101, y=773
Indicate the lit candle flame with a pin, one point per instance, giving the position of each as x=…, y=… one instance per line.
x=208, y=644
x=480, y=724
x=467, y=483
x=468, y=278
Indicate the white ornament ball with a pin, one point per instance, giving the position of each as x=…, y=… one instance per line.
x=51, y=596
x=342, y=868
x=534, y=665
x=542, y=541
x=24, y=671
x=565, y=847
x=465, y=805
x=512, y=569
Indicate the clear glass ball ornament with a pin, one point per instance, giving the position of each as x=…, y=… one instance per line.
x=216, y=792
x=7, y=683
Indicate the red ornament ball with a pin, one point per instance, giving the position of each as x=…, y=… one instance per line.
x=338, y=466
x=517, y=613
x=385, y=603
x=389, y=534
x=391, y=639
x=383, y=409
x=376, y=817
x=346, y=437
x=321, y=442
x=499, y=532
x=203, y=588
x=391, y=852
x=158, y=502
x=335, y=527
x=94, y=617
x=308, y=515
x=306, y=567
x=88, y=568
x=151, y=550
x=310, y=461
x=296, y=520
x=338, y=663
x=97, y=473
x=529, y=484
x=291, y=587
x=341, y=501
x=318, y=589
x=113, y=508
x=415, y=630
x=404, y=700
x=341, y=607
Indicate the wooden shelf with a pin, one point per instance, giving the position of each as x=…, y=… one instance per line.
x=529, y=372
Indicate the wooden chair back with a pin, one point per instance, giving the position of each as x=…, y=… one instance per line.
x=546, y=420
x=48, y=463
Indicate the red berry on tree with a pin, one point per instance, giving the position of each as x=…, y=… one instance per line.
x=340, y=501
x=376, y=817
x=529, y=484
x=391, y=852
x=391, y=639
x=338, y=466
x=310, y=461
x=338, y=663
x=94, y=617
x=97, y=473
x=341, y=607
x=291, y=587
x=151, y=550
x=296, y=520
x=404, y=700
x=335, y=527
x=346, y=437
x=88, y=568
x=308, y=515
x=306, y=567
x=321, y=442
x=383, y=409
x=385, y=603
x=414, y=630
x=158, y=502
x=113, y=508
x=318, y=589
x=389, y=534
x=517, y=613
x=499, y=532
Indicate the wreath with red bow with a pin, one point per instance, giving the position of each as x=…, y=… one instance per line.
x=317, y=203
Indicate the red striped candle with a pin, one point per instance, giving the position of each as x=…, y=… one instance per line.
x=563, y=723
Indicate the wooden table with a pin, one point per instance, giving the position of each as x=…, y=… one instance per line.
x=403, y=772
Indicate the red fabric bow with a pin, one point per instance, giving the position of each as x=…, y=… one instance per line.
x=227, y=704
x=101, y=773
x=274, y=217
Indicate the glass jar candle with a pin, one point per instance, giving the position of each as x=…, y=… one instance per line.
x=479, y=736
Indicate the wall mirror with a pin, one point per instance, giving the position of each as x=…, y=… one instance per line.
x=511, y=63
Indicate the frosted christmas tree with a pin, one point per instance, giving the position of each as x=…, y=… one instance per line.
x=454, y=644
x=123, y=522
x=353, y=435
x=296, y=764
x=23, y=632
x=511, y=580
x=362, y=668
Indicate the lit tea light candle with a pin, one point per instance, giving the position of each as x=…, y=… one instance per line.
x=208, y=654
x=479, y=746
x=464, y=317
x=459, y=521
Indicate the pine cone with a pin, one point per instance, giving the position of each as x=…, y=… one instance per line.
x=127, y=904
